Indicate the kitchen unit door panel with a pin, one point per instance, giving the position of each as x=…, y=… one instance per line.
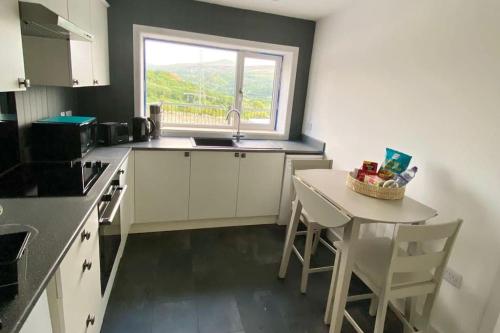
x=81, y=63
x=161, y=186
x=79, y=13
x=260, y=180
x=214, y=184
x=100, y=52
x=12, y=63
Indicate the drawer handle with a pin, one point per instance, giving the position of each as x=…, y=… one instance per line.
x=87, y=265
x=85, y=235
x=186, y=154
x=90, y=320
x=236, y=154
x=243, y=155
x=121, y=171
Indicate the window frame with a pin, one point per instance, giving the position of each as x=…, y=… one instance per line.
x=284, y=85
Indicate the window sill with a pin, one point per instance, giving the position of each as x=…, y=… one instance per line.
x=217, y=132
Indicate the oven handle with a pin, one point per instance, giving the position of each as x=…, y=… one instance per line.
x=114, y=205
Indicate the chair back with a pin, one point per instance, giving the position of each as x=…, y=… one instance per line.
x=310, y=164
x=422, y=267
x=321, y=210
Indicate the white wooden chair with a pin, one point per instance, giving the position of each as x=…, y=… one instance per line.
x=391, y=272
x=317, y=214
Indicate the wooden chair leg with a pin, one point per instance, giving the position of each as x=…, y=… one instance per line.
x=373, y=306
x=331, y=292
x=410, y=310
x=426, y=312
x=381, y=314
x=317, y=236
x=290, y=238
x=306, y=265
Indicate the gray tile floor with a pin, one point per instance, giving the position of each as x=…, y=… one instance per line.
x=221, y=281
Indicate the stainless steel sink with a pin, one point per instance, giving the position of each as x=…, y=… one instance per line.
x=213, y=142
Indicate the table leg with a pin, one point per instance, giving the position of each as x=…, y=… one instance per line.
x=290, y=237
x=351, y=234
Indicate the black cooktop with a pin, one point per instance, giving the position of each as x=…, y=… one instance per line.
x=50, y=179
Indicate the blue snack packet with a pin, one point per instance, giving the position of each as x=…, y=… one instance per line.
x=395, y=161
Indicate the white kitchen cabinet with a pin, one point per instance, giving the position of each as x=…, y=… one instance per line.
x=161, y=186
x=79, y=13
x=39, y=319
x=60, y=7
x=100, y=52
x=11, y=64
x=259, y=185
x=75, y=290
x=214, y=184
x=127, y=206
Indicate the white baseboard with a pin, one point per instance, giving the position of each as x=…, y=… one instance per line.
x=200, y=224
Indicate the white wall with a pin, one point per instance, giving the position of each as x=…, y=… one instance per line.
x=423, y=77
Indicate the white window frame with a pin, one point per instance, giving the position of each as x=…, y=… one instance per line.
x=279, y=127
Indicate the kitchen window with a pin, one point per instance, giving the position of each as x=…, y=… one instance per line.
x=198, y=78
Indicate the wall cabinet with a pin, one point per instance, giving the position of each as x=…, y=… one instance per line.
x=161, y=186
x=12, y=64
x=259, y=185
x=75, y=291
x=71, y=63
x=214, y=184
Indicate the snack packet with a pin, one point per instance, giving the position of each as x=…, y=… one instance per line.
x=395, y=161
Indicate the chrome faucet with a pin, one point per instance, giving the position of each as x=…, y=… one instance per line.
x=238, y=113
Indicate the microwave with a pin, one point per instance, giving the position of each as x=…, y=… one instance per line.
x=63, y=138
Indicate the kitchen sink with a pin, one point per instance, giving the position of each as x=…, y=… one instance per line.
x=213, y=142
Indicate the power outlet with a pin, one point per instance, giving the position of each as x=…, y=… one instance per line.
x=453, y=277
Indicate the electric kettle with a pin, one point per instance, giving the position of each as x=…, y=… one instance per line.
x=142, y=128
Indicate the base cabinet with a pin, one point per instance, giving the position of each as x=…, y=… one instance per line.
x=161, y=186
x=259, y=184
x=213, y=184
x=74, y=293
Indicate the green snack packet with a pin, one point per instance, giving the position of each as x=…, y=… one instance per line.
x=395, y=161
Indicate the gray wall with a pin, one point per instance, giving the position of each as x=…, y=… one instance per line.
x=116, y=102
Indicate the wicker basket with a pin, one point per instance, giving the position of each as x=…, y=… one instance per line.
x=375, y=191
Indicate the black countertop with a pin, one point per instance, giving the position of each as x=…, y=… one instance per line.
x=58, y=221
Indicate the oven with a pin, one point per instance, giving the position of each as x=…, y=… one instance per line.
x=110, y=228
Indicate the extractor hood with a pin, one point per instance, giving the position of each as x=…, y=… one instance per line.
x=37, y=20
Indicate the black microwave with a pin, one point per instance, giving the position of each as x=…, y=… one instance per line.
x=63, y=138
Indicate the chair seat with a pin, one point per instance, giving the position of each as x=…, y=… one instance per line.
x=372, y=260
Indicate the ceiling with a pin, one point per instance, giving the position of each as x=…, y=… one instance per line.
x=305, y=9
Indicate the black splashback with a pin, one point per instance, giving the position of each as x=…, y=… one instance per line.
x=9, y=134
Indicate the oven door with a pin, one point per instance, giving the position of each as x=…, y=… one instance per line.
x=110, y=231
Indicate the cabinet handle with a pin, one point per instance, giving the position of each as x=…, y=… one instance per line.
x=90, y=320
x=87, y=265
x=243, y=155
x=85, y=235
x=96, y=82
x=23, y=82
x=75, y=82
x=121, y=171
x=236, y=154
x=186, y=154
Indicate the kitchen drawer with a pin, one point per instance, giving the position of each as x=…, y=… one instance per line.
x=78, y=290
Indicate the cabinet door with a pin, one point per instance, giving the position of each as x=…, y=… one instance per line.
x=81, y=63
x=100, y=54
x=161, y=186
x=79, y=13
x=127, y=206
x=12, y=63
x=60, y=7
x=214, y=184
x=260, y=181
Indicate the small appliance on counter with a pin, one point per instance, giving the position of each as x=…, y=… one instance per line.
x=155, y=112
x=63, y=138
x=12, y=247
x=112, y=133
x=142, y=128
x=50, y=179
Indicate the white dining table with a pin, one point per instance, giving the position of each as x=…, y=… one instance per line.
x=331, y=184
